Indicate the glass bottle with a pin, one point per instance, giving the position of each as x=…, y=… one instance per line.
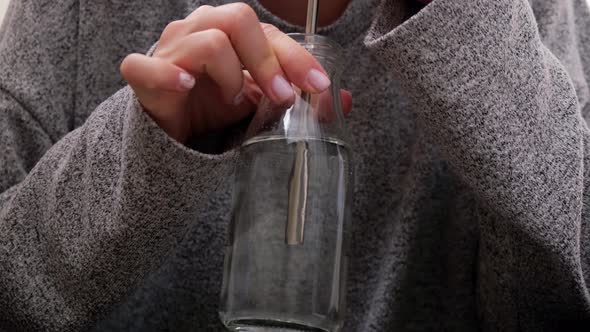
x=285, y=263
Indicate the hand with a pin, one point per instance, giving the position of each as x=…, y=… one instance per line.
x=210, y=69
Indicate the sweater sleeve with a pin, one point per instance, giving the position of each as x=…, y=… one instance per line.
x=83, y=217
x=501, y=87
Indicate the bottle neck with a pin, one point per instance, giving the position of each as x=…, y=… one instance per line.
x=327, y=52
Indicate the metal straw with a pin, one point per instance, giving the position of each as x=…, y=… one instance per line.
x=312, y=16
x=299, y=180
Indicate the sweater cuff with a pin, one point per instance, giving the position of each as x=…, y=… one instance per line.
x=164, y=162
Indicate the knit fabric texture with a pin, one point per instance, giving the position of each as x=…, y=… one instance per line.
x=471, y=194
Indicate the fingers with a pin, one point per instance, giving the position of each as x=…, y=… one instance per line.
x=149, y=73
x=322, y=109
x=346, y=98
x=209, y=52
x=299, y=65
x=251, y=90
x=325, y=105
x=243, y=29
x=272, y=58
x=161, y=87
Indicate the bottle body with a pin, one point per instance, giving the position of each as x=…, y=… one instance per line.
x=276, y=278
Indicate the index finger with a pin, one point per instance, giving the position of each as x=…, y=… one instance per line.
x=257, y=53
x=242, y=26
x=299, y=65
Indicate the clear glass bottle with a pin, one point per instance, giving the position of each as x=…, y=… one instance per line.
x=285, y=264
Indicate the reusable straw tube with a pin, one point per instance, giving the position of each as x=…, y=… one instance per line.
x=299, y=181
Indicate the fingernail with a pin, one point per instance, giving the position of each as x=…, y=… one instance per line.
x=239, y=98
x=186, y=81
x=318, y=80
x=281, y=88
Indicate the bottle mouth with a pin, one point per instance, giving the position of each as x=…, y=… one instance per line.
x=324, y=49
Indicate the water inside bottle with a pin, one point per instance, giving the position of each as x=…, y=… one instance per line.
x=270, y=285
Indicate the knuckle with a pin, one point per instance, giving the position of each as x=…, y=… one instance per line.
x=174, y=26
x=203, y=9
x=244, y=13
x=172, y=29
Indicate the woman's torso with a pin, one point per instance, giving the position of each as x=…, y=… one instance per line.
x=414, y=234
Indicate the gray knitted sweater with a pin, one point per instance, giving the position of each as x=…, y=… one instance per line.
x=472, y=196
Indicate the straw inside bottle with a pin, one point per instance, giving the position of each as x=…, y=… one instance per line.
x=298, y=183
